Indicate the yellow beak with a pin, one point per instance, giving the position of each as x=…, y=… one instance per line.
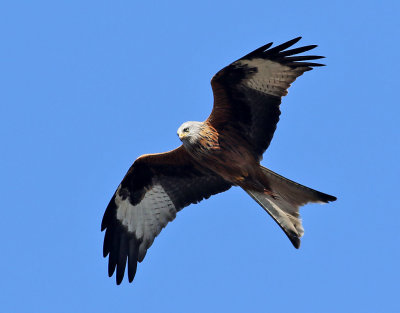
x=180, y=135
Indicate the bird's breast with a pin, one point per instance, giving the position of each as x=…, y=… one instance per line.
x=224, y=155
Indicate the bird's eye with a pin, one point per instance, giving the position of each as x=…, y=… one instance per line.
x=186, y=130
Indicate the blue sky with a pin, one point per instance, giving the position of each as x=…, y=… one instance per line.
x=88, y=86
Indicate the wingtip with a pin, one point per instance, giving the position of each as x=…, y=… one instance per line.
x=110, y=272
x=331, y=198
x=327, y=198
x=120, y=274
x=295, y=241
x=267, y=45
x=118, y=280
x=103, y=225
x=294, y=40
x=257, y=51
x=105, y=252
x=284, y=45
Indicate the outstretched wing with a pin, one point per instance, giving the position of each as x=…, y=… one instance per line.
x=154, y=189
x=248, y=92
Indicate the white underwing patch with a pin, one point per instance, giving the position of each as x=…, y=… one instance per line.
x=271, y=77
x=149, y=216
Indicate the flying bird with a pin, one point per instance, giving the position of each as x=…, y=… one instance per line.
x=223, y=151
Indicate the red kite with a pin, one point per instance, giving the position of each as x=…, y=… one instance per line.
x=223, y=151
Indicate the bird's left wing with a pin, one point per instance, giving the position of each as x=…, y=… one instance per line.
x=154, y=189
x=248, y=92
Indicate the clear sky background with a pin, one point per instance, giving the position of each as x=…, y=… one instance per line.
x=88, y=86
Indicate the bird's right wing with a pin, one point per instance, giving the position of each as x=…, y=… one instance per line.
x=248, y=92
x=154, y=189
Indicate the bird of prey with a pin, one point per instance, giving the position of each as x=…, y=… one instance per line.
x=223, y=151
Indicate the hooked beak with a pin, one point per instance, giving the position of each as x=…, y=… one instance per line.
x=180, y=135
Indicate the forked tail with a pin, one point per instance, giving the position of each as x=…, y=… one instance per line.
x=282, y=201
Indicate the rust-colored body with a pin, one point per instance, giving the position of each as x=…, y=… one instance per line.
x=225, y=154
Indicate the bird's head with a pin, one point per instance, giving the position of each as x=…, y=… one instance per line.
x=188, y=132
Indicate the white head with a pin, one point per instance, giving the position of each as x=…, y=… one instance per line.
x=188, y=132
